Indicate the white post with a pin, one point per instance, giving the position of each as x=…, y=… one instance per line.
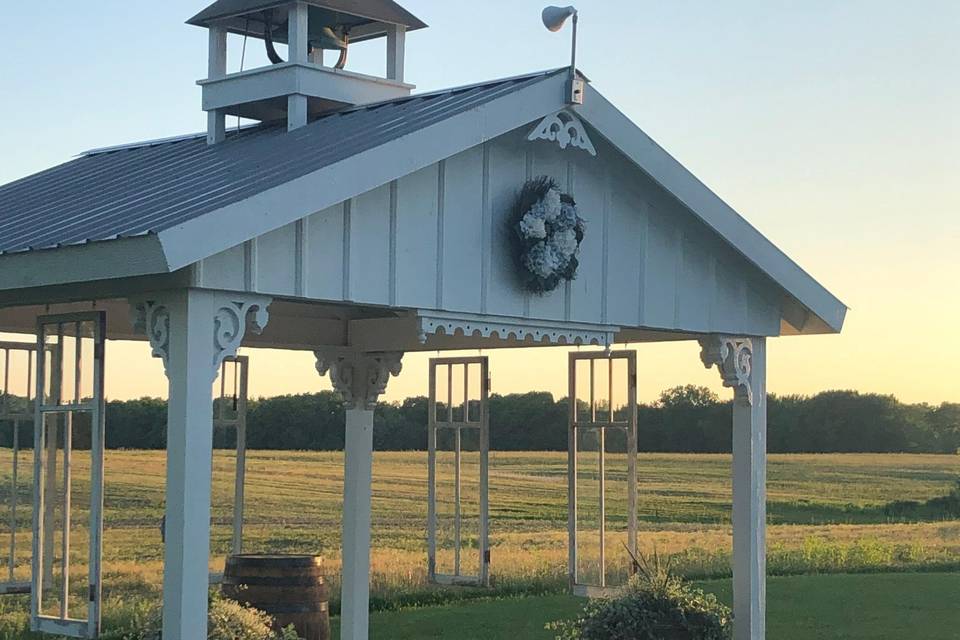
x=357, y=478
x=361, y=378
x=298, y=45
x=297, y=111
x=743, y=366
x=396, y=51
x=192, y=331
x=189, y=467
x=217, y=68
x=750, y=503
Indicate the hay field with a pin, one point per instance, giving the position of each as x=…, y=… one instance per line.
x=826, y=515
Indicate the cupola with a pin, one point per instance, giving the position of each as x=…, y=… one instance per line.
x=300, y=86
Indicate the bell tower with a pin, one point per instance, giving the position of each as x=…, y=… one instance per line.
x=301, y=86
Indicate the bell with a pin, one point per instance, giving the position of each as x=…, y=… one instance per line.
x=329, y=40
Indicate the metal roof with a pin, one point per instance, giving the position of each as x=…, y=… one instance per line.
x=385, y=11
x=150, y=187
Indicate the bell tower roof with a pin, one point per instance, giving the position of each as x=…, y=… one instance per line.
x=366, y=19
x=300, y=86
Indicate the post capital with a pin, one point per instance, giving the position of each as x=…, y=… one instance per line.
x=227, y=316
x=733, y=357
x=360, y=377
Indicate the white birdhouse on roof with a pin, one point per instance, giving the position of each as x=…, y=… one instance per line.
x=300, y=86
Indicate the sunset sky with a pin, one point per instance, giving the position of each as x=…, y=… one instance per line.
x=833, y=126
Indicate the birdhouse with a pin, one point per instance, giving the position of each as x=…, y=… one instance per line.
x=301, y=85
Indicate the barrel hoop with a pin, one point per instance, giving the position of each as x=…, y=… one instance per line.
x=288, y=608
x=274, y=562
x=267, y=581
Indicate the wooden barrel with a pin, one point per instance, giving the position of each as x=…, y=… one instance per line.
x=291, y=589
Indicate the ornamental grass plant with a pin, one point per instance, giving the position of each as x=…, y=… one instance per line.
x=655, y=605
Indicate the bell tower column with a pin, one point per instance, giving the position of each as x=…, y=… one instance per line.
x=396, y=51
x=299, y=53
x=217, y=68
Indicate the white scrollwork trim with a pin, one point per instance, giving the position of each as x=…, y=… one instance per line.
x=228, y=326
x=361, y=378
x=733, y=358
x=153, y=319
x=522, y=332
x=565, y=129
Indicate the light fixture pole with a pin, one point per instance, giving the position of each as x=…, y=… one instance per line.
x=553, y=19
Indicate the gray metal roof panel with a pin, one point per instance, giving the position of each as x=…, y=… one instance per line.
x=378, y=10
x=154, y=186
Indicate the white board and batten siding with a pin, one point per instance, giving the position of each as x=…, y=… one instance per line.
x=436, y=239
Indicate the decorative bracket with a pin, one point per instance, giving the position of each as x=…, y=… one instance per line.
x=733, y=357
x=229, y=320
x=361, y=378
x=230, y=325
x=565, y=129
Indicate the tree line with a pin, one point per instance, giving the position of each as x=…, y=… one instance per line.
x=685, y=419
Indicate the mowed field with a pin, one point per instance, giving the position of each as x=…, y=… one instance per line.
x=826, y=515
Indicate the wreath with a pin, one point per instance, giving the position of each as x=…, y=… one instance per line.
x=546, y=231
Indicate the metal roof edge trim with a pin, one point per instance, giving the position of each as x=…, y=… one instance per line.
x=100, y=260
x=720, y=217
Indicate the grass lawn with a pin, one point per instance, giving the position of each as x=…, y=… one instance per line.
x=875, y=607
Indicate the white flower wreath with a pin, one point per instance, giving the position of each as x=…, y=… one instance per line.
x=547, y=231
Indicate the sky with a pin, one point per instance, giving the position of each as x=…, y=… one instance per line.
x=832, y=126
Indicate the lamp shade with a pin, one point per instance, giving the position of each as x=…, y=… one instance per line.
x=555, y=17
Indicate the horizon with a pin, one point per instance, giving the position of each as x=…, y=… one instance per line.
x=838, y=143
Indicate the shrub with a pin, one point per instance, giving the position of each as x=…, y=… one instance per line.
x=227, y=620
x=655, y=605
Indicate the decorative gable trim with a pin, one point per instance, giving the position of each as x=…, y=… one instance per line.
x=565, y=129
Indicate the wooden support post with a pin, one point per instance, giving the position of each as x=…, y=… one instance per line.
x=193, y=332
x=396, y=51
x=743, y=366
x=358, y=469
x=360, y=378
x=749, y=503
x=217, y=68
x=189, y=467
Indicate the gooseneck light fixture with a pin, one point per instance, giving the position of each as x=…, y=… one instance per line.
x=553, y=19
